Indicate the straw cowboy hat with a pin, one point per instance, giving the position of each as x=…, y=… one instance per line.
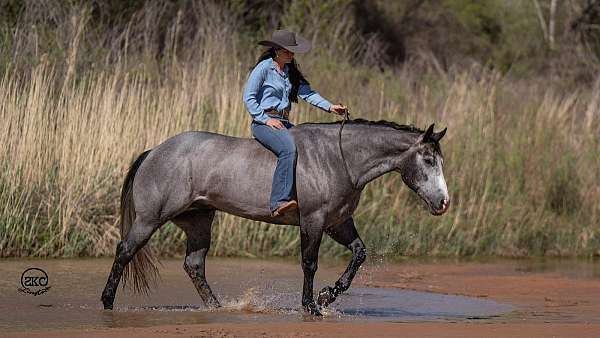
x=287, y=40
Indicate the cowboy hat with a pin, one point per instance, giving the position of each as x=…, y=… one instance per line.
x=287, y=40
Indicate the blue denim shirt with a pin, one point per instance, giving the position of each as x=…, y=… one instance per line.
x=268, y=89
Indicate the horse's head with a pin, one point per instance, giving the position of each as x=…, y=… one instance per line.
x=421, y=170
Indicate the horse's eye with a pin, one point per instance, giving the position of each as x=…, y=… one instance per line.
x=429, y=161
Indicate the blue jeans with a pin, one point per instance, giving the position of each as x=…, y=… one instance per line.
x=281, y=143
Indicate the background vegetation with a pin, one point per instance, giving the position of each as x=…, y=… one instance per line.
x=87, y=86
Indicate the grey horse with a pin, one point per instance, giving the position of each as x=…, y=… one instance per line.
x=191, y=175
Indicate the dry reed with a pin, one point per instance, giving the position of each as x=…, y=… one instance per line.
x=522, y=158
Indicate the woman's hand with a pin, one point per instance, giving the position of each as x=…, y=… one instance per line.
x=339, y=109
x=275, y=123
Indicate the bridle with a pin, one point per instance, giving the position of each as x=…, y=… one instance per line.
x=346, y=118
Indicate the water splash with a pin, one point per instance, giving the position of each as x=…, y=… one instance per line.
x=255, y=301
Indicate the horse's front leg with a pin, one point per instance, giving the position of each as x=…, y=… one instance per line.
x=310, y=240
x=345, y=234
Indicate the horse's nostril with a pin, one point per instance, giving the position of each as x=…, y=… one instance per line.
x=444, y=202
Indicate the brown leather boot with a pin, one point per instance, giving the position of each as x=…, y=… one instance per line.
x=285, y=207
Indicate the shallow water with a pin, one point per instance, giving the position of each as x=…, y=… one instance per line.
x=249, y=290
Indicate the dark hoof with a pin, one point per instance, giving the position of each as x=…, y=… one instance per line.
x=213, y=304
x=312, y=309
x=108, y=304
x=326, y=296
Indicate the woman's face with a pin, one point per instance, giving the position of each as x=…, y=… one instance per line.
x=284, y=55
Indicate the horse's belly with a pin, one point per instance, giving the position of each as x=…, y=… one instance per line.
x=238, y=183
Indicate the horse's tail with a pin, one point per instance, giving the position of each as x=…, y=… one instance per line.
x=141, y=270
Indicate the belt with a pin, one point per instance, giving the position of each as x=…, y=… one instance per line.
x=284, y=114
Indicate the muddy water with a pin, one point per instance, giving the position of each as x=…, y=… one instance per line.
x=250, y=291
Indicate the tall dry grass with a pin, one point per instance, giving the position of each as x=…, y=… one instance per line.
x=522, y=157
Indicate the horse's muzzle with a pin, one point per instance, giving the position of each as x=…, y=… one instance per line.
x=444, y=204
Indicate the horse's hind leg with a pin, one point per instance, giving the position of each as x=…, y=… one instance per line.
x=136, y=238
x=197, y=226
x=310, y=240
x=345, y=234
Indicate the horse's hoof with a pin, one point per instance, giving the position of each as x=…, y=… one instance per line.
x=108, y=304
x=213, y=303
x=313, y=310
x=326, y=296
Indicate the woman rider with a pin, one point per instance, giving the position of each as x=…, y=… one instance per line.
x=274, y=83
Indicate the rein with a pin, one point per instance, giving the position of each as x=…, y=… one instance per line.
x=346, y=118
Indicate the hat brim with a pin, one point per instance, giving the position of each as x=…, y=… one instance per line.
x=302, y=45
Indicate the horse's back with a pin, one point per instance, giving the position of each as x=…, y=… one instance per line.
x=223, y=172
x=218, y=148
x=227, y=173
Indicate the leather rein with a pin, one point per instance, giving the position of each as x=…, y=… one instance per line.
x=346, y=118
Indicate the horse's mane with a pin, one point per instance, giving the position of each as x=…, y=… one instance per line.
x=403, y=127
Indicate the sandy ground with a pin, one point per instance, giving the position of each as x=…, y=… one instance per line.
x=408, y=330
x=549, y=304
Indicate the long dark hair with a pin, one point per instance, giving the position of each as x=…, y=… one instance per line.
x=296, y=77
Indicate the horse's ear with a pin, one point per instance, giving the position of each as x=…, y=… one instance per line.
x=428, y=133
x=438, y=136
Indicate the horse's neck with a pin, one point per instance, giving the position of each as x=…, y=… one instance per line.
x=373, y=151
